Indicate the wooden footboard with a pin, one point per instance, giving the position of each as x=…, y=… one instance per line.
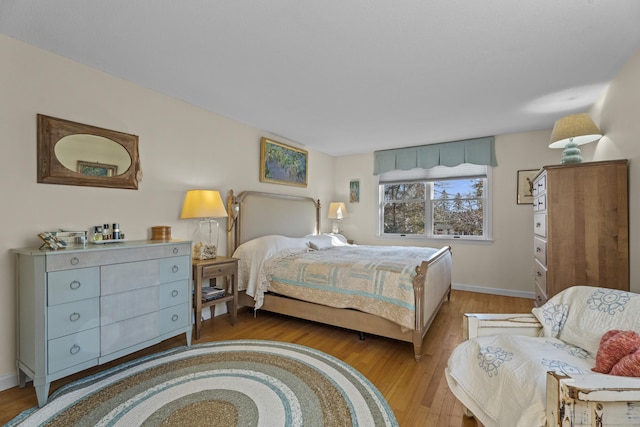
x=432, y=286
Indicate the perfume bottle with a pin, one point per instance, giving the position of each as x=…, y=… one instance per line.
x=96, y=233
x=105, y=232
x=115, y=231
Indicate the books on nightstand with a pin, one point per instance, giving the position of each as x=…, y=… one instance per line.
x=210, y=293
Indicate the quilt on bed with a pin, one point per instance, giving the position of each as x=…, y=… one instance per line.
x=373, y=279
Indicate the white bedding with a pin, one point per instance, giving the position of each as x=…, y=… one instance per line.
x=505, y=386
x=253, y=254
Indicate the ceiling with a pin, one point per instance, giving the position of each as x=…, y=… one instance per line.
x=351, y=76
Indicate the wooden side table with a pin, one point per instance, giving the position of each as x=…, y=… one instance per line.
x=208, y=271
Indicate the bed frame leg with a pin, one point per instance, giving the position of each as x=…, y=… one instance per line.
x=362, y=336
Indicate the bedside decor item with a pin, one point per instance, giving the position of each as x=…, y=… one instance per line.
x=525, y=186
x=205, y=205
x=337, y=211
x=571, y=131
x=242, y=382
x=73, y=153
x=282, y=164
x=161, y=232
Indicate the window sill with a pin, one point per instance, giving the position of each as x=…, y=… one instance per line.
x=446, y=239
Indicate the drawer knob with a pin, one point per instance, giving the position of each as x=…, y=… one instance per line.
x=175, y=251
x=538, y=250
x=175, y=269
x=74, y=261
x=74, y=285
x=75, y=349
x=74, y=317
x=174, y=293
x=175, y=318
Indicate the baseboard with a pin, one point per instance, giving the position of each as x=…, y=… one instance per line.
x=493, y=291
x=8, y=381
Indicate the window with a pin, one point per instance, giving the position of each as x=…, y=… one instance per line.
x=442, y=202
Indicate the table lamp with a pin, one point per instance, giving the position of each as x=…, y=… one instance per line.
x=337, y=211
x=205, y=205
x=571, y=131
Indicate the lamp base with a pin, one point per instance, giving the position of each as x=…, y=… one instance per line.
x=205, y=239
x=336, y=227
x=571, y=154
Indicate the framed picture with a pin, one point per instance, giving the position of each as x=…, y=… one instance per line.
x=96, y=169
x=525, y=186
x=354, y=191
x=282, y=164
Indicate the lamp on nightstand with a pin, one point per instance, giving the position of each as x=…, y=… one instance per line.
x=337, y=211
x=571, y=131
x=205, y=205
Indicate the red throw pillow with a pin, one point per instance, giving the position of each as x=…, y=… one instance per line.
x=615, y=345
x=628, y=366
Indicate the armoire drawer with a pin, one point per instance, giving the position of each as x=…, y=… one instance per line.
x=540, y=275
x=540, y=224
x=540, y=250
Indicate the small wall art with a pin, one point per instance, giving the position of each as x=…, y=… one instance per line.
x=525, y=186
x=354, y=191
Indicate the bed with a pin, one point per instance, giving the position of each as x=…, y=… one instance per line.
x=286, y=266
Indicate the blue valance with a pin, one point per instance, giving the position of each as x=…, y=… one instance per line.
x=478, y=151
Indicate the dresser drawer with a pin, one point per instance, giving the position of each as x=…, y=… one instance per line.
x=125, y=305
x=132, y=275
x=69, y=261
x=540, y=224
x=174, y=293
x=178, y=249
x=540, y=276
x=172, y=318
x=71, y=350
x=72, y=285
x=130, y=332
x=540, y=250
x=72, y=317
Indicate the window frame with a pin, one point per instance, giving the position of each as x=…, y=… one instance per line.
x=428, y=176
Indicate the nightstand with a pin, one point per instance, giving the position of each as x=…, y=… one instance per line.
x=207, y=271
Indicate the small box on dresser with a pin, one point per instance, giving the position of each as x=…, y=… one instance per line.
x=81, y=308
x=581, y=227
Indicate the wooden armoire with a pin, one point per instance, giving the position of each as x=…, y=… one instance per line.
x=581, y=227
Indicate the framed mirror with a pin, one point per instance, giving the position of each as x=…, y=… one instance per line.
x=73, y=153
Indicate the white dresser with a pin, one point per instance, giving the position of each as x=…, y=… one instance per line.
x=79, y=308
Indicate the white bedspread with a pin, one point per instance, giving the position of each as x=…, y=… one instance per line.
x=506, y=384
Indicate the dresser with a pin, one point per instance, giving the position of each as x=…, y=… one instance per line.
x=581, y=227
x=79, y=308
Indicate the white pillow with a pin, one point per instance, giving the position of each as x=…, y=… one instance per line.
x=581, y=315
x=324, y=241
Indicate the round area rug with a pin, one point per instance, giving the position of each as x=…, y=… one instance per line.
x=227, y=383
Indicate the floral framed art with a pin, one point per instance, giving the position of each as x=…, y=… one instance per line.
x=283, y=164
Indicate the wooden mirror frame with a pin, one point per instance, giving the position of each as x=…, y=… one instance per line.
x=52, y=171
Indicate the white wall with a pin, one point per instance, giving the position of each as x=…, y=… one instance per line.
x=181, y=147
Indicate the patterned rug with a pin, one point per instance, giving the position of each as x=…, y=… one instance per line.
x=227, y=383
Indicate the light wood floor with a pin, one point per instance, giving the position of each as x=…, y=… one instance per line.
x=417, y=392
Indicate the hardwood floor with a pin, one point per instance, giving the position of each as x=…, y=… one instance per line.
x=417, y=392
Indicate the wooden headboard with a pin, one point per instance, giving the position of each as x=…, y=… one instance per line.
x=254, y=214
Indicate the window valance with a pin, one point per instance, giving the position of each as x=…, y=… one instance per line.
x=478, y=151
